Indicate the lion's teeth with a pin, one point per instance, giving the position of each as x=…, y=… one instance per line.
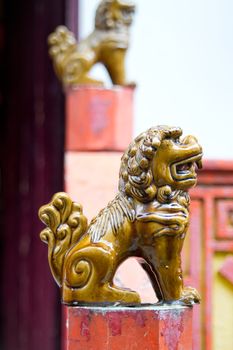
x=199, y=164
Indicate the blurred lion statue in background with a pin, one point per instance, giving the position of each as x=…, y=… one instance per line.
x=107, y=44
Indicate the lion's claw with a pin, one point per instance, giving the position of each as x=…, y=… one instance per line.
x=190, y=296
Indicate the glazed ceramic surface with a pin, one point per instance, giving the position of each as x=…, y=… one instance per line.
x=147, y=219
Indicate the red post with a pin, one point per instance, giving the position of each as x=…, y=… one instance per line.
x=99, y=119
x=125, y=328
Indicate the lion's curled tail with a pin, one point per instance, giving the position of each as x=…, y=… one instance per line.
x=65, y=225
x=62, y=47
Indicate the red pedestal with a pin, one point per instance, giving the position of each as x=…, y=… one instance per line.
x=99, y=119
x=124, y=328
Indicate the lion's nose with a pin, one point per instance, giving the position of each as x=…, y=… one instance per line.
x=189, y=140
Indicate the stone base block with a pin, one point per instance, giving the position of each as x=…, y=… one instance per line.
x=99, y=119
x=125, y=328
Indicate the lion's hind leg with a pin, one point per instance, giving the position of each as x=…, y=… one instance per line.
x=88, y=274
x=84, y=79
x=76, y=68
x=115, y=294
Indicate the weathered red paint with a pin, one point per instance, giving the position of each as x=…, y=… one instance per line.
x=99, y=119
x=148, y=328
x=192, y=266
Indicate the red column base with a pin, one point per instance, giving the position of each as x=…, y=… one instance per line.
x=125, y=328
x=99, y=119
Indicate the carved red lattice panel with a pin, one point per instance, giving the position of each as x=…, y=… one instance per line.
x=211, y=231
x=224, y=218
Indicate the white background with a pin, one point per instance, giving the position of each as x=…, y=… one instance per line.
x=181, y=58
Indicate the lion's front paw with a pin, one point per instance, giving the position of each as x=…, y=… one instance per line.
x=130, y=84
x=190, y=296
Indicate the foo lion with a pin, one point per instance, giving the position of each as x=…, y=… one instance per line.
x=106, y=44
x=147, y=219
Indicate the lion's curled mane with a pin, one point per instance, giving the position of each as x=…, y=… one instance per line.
x=135, y=181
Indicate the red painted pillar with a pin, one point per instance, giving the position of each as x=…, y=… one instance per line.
x=125, y=328
x=99, y=119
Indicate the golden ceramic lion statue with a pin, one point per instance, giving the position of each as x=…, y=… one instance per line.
x=147, y=219
x=107, y=44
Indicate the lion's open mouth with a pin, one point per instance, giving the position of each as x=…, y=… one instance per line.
x=185, y=170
